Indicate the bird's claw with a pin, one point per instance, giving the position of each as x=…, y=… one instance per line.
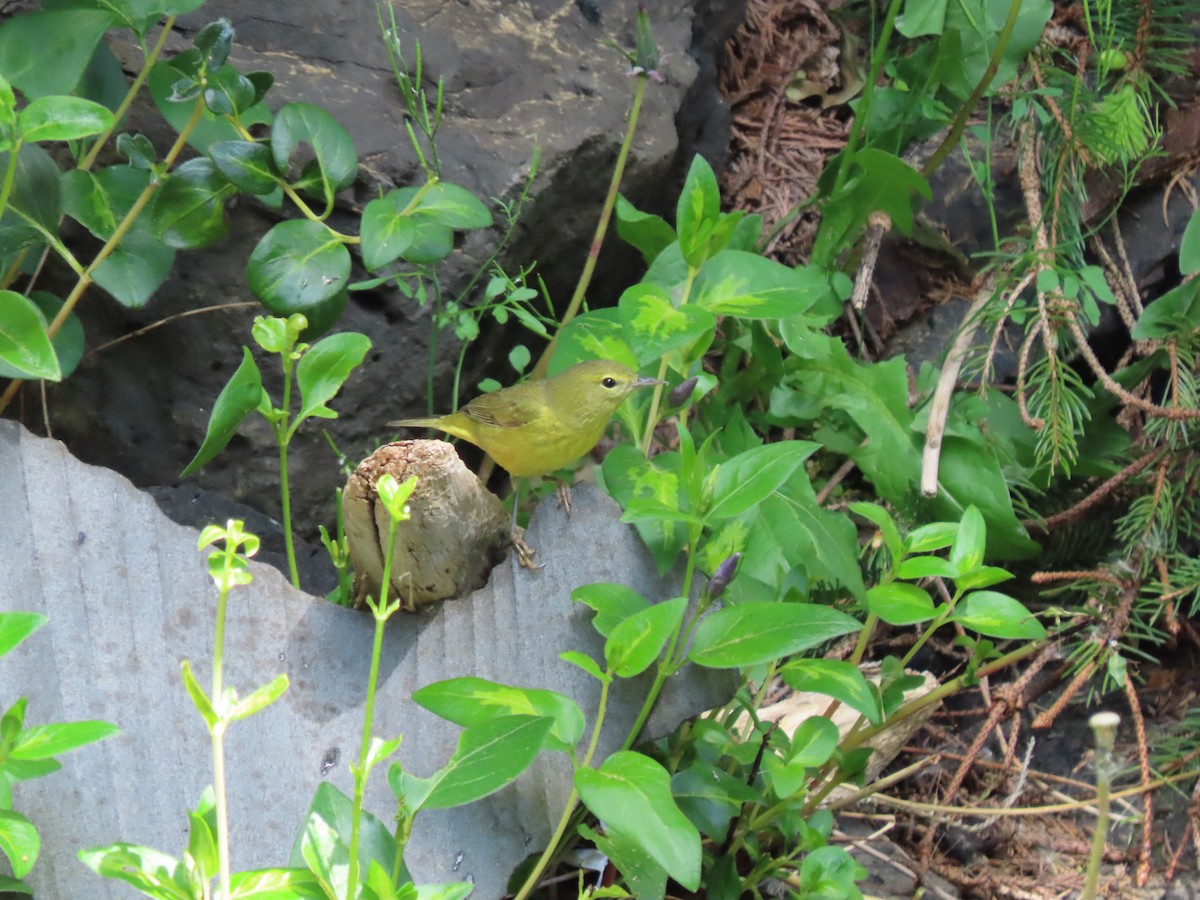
x=525, y=553
x=563, y=492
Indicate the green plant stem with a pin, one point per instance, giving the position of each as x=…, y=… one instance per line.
x=130, y=95
x=382, y=611
x=218, y=739
x=564, y=821
x=283, y=436
x=954, y=135
x=1092, y=880
x=610, y=201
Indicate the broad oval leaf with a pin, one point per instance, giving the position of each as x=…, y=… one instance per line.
x=247, y=164
x=750, y=286
x=324, y=368
x=296, y=265
x=335, y=156
x=838, y=679
x=470, y=701
x=240, y=397
x=62, y=119
x=612, y=604
x=655, y=326
x=635, y=643
x=759, y=632
x=189, y=208
x=750, y=477
x=997, y=615
x=631, y=794
x=45, y=741
x=20, y=842
x=489, y=756
x=24, y=344
x=898, y=603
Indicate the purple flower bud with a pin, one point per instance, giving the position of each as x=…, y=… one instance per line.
x=681, y=392
x=723, y=575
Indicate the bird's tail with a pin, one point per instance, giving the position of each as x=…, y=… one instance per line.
x=414, y=423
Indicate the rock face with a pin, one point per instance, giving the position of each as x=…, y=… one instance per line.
x=516, y=75
x=128, y=597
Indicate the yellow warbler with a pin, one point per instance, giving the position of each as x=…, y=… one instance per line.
x=538, y=426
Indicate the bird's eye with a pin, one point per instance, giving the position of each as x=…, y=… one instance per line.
x=609, y=382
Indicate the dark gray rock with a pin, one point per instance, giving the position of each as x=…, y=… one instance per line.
x=129, y=597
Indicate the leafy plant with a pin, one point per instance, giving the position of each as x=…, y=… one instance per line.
x=319, y=371
x=26, y=752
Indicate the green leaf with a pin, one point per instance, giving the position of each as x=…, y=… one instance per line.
x=966, y=553
x=260, y=699
x=934, y=536
x=984, y=576
x=980, y=25
x=636, y=642
x=631, y=478
x=189, y=208
x=15, y=627
x=654, y=326
x=586, y=664
x=36, y=198
x=489, y=756
x=211, y=128
x=336, y=161
x=1175, y=313
x=612, y=604
x=1189, y=246
x=297, y=265
x=99, y=200
x=247, y=164
x=202, y=842
x=710, y=797
x=925, y=567
x=471, y=701
x=240, y=397
x=198, y=696
x=838, y=679
x=639, y=871
x=997, y=615
x=324, y=840
x=698, y=210
x=631, y=794
x=882, y=519
x=418, y=223
x=752, y=633
x=750, y=477
x=150, y=871
x=275, y=884
x=20, y=842
x=791, y=530
x=971, y=475
x=45, y=53
x=900, y=604
x=136, y=269
x=45, y=741
x=324, y=368
x=738, y=283
x=62, y=119
x=649, y=234
x=24, y=344
x=815, y=739
x=15, y=886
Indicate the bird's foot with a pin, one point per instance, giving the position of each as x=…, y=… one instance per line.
x=525, y=553
x=563, y=492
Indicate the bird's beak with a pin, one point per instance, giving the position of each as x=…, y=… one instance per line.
x=647, y=382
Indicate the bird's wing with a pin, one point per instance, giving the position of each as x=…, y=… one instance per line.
x=500, y=409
